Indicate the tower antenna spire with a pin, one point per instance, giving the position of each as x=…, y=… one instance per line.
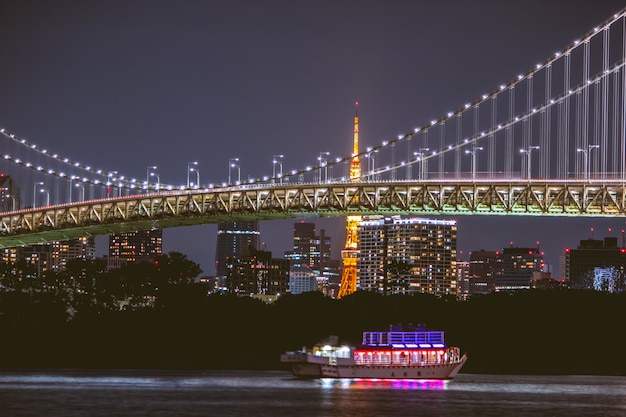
x=350, y=254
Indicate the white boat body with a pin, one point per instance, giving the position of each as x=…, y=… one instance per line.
x=383, y=355
x=443, y=371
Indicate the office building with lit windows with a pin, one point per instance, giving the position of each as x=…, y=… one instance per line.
x=232, y=239
x=137, y=246
x=515, y=268
x=9, y=194
x=255, y=273
x=596, y=264
x=407, y=255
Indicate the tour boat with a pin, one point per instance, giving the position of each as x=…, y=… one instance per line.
x=414, y=353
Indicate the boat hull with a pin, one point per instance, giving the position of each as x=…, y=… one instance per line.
x=443, y=371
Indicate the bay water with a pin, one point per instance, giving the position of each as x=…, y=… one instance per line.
x=130, y=393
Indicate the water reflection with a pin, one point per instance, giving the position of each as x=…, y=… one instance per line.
x=400, y=384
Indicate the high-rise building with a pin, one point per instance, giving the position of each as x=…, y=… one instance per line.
x=137, y=246
x=64, y=251
x=309, y=248
x=515, y=267
x=315, y=253
x=9, y=194
x=481, y=277
x=52, y=256
x=232, y=238
x=596, y=264
x=302, y=279
x=255, y=273
x=407, y=255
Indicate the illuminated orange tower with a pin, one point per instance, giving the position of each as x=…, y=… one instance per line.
x=350, y=254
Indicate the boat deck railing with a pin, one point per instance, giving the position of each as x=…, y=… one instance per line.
x=403, y=338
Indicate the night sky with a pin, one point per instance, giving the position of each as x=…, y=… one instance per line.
x=122, y=85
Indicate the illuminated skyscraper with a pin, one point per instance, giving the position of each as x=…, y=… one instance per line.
x=409, y=255
x=64, y=251
x=232, y=238
x=9, y=194
x=137, y=246
x=515, y=267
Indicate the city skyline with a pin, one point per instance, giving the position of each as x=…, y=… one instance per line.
x=121, y=85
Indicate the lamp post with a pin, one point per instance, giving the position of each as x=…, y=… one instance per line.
x=148, y=170
x=586, y=153
x=234, y=163
x=110, y=181
x=158, y=184
x=197, y=171
x=35, y=192
x=473, y=153
x=42, y=190
x=529, y=153
x=71, y=178
x=189, y=169
x=371, y=166
x=277, y=160
x=323, y=164
x=419, y=155
x=14, y=204
x=82, y=189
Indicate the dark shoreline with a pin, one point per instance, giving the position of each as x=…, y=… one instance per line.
x=561, y=332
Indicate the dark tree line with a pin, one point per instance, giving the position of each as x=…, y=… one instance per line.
x=183, y=326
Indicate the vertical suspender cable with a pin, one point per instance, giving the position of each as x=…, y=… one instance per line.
x=508, y=145
x=491, y=161
x=459, y=138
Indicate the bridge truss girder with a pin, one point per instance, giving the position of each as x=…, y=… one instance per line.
x=428, y=198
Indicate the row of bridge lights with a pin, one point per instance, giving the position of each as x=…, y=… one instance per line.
x=277, y=169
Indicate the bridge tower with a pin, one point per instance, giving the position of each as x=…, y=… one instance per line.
x=350, y=253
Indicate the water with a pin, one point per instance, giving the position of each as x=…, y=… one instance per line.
x=275, y=393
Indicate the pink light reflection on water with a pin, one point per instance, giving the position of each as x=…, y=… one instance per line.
x=399, y=384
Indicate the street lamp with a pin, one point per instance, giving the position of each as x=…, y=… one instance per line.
x=419, y=155
x=189, y=169
x=158, y=184
x=197, y=171
x=71, y=178
x=234, y=163
x=82, y=189
x=110, y=178
x=473, y=153
x=371, y=166
x=323, y=164
x=529, y=153
x=148, y=170
x=47, y=195
x=278, y=159
x=35, y=192
x=14, y=205
x=586, y=153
